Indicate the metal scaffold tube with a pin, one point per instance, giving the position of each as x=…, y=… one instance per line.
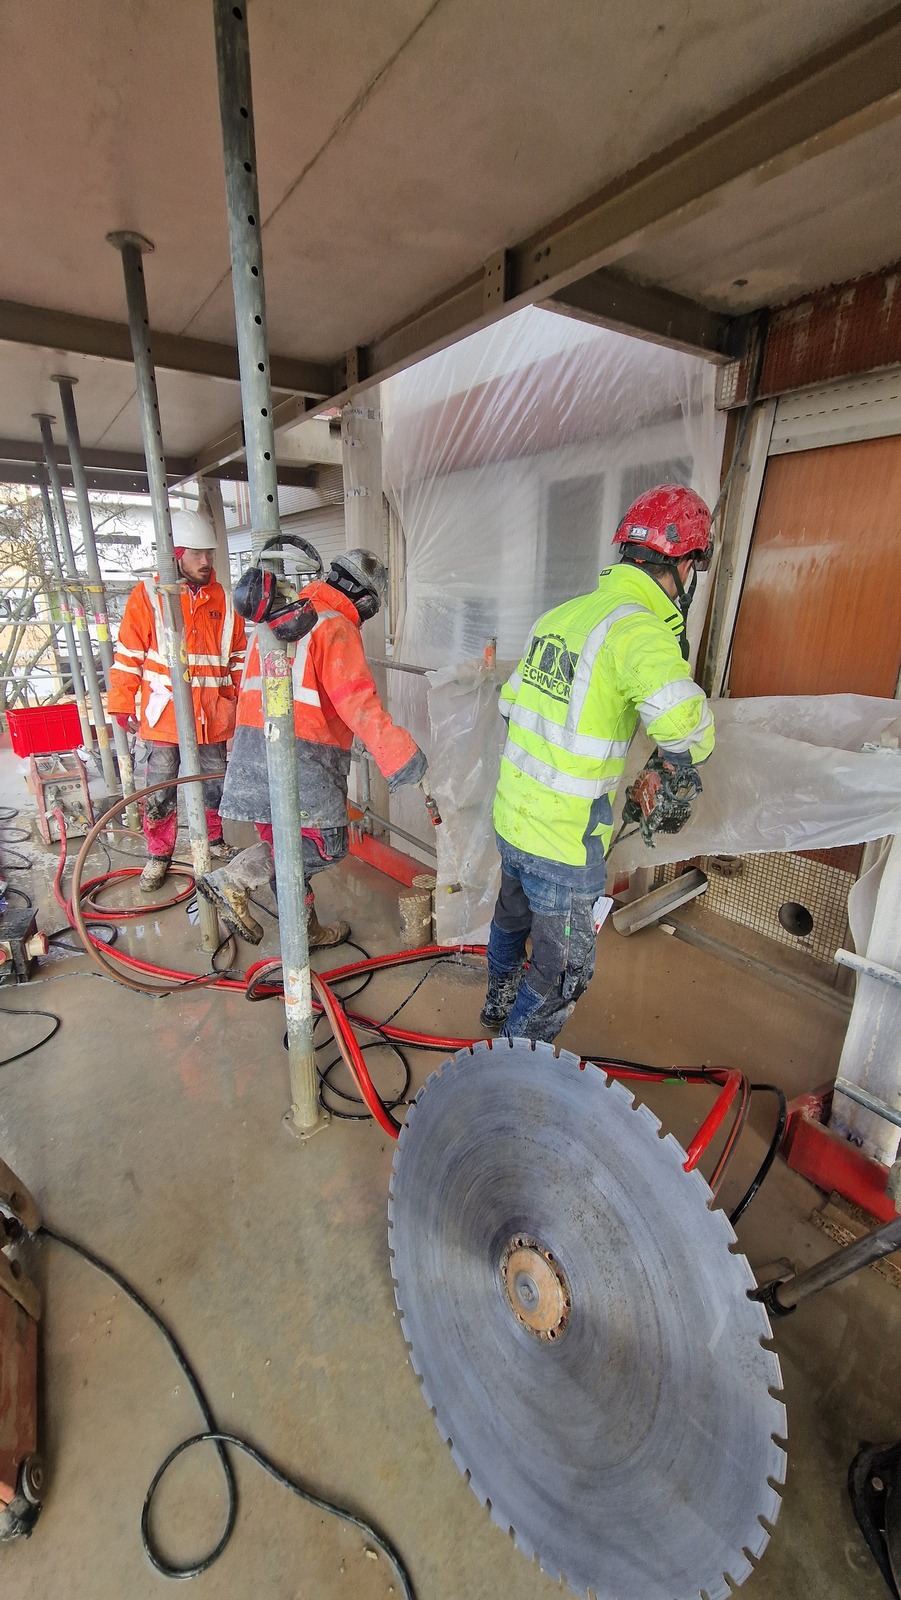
x=62, y=601
x=242, y=194
x=89, y=670
x=95, y=586
x=131, y=247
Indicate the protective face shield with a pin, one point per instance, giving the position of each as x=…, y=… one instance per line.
x=265, y=596
x=362, y=577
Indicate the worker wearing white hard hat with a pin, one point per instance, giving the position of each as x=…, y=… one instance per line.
x=140, y=695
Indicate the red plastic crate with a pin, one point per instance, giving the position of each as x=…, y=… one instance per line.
x=40, y=730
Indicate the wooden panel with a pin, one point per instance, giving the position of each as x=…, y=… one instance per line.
x=821, y=608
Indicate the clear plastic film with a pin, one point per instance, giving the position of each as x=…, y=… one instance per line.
x=508, y=461
x=792, y=772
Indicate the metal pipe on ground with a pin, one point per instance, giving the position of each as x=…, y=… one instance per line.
x=88, y=667
x=131, y=247
x=62, y=600
x=306, y=1116
x=780, y=1298
x=95, y=587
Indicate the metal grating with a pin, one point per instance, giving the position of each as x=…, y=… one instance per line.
x=751, y=890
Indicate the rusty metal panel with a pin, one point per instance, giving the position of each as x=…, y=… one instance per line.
x=849, y=328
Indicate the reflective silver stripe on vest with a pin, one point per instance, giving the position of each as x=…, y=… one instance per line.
x=225, y=637
x=302, y=695
x=688, y=739
x=552, y=778
x=588, y=656
x=667, y=698
x=579, y=744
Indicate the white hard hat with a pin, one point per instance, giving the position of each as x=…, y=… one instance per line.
x=192, y=531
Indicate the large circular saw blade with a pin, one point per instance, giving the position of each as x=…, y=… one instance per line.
x=581, y=1327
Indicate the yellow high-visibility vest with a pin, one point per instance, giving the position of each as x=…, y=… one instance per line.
x=591, y=668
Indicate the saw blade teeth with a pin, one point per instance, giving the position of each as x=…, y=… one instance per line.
x=718, y=1588
x=777, y=1463
x=647, y=1116
x=567, y=1059
x=620, y=1092
x=738, y=1571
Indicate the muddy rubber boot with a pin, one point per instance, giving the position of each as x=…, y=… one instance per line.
x=220, y=851
x=154, y=874
x=499, y=999
x=320, y=938
x=231, y=902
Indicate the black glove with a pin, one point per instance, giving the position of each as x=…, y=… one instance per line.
x=412, y=771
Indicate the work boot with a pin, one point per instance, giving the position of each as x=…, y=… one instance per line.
x=154, y=874
x=499, y=999
x=220, y=851
x=320, y=938
x=231, y=902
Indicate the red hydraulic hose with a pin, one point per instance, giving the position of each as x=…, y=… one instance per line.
x=342, y=1021
x=714, y=1119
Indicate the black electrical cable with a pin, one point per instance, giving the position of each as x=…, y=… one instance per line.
x=773, y=1150
x=20, y=1054
x=324, y=1075
x=213, y=1435
x=439, y=961
x=11, y=889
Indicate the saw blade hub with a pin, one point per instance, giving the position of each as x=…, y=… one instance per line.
x=536, y=1288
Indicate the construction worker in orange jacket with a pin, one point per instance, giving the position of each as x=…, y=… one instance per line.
x=215, y=644
x=335, y=698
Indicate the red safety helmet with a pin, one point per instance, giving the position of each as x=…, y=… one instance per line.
x=670, y=521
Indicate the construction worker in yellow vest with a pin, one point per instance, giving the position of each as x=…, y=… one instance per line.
x=592, y=668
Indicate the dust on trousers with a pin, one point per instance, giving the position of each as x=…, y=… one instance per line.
x=560, y=920
x=160, y=822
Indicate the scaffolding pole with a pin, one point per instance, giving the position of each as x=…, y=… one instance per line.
x=131, y=247
x=239, y=154
x=95, y=586
x=89, y=670
x=62, y=600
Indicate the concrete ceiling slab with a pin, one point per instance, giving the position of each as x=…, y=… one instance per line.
x=835, y=218
x=399, y=147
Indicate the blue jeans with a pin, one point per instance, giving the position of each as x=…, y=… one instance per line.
x=559, y=918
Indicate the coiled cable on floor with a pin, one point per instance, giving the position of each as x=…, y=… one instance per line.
x=215, y=1436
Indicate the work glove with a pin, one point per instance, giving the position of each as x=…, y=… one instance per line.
x=412, y=771
x=127, y=723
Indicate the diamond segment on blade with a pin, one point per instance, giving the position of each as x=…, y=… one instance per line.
x=629, y=1449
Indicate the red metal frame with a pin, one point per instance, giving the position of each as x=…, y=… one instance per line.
x=18, y=1393
x=829, y=1160
x=376, y=853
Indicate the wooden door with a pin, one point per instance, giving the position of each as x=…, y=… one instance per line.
x=821, y=608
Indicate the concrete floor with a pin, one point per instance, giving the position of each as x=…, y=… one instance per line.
x=150, y=1129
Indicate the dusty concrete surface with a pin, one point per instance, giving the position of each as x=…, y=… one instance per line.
x=150, y=1129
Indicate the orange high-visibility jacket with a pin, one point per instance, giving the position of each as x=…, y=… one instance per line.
x=334, y=693
x=215, y=643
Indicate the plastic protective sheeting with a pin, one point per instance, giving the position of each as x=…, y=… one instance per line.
x=870, y=1055
x=789, y=772
x=466, y=732
x=508, y=461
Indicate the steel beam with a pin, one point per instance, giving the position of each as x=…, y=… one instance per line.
x=45, y=329
x=245, y=245
x=111, y=469
x=612, y=301
x=131, y=247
